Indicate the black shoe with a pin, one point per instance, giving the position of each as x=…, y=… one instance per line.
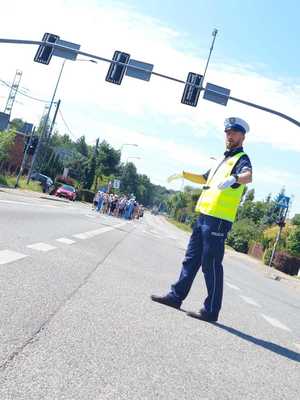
x=203, y=316
x=166, y=300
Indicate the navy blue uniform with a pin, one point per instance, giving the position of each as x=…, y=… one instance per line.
x=206, y=249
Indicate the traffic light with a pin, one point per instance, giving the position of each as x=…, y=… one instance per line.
x=116, y=72
x=44, y=53
x=33, y=145
x=191, y=92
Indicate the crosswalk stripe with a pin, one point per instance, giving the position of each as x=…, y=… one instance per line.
x=41, y=246
x=65, y=240
x=275, y=323
x=232, y=286
x=8, y=256
x=249, y=301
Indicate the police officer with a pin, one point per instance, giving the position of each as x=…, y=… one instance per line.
x=218, y=204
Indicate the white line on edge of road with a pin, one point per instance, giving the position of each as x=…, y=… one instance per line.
x=232, y=286
x=275, y=323
x=250, y=301
x=65, y=241
x=7, y=256
x=41, y=246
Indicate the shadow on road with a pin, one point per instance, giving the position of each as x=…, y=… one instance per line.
x=275, y=348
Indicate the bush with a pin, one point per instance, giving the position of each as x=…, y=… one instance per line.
x=243, y=231
x=286, y=263
x=86, y=195
x=267, y=255
x=293, y=242
x=66, y=180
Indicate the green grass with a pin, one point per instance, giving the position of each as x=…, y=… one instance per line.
x=11, y=181
x=180, y=225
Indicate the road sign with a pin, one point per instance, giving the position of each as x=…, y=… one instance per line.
x=191, y=92
x=4, y=121
x=135, y=73
x=283, y=201
x=116, y=184
x=67, y=54
x=217, y=94
x=27, y=128
x=116, y=72
x=44, y=53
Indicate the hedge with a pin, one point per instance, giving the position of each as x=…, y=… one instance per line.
x=286, y=263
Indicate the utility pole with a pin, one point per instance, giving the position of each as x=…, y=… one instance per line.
x=25, y=157
x=53, y=120
x=43, y=134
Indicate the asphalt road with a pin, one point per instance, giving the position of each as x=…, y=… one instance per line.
x=76, y=321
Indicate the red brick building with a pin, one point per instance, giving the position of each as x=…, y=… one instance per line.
x=16, y=154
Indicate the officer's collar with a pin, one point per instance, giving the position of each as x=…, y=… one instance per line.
x=232, y=152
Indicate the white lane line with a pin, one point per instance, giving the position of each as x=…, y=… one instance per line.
x=7, y=256
x=275, y=323
x=22, y=203
x=232, y=286
x=41, y=246
x=65, y=241
x=90, y=234
x=249, y=301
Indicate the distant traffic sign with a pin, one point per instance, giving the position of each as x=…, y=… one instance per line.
x=116, y=71
x=116, y=184
x=138, y=74
x=283, y=201
x=44, y=53
x=217, y=94
x=192, y=89
x=68, y=54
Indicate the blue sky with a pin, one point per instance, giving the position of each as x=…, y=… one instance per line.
x=255, y=56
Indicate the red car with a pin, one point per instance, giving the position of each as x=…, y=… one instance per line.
x=67, y=191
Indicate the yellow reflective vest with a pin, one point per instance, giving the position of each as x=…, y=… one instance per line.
x=221, y=203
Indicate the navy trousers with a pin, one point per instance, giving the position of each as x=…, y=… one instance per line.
x=206, y=249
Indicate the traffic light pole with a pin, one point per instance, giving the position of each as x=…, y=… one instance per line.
x=43, y=134
x=24, y=158
x=92, y=56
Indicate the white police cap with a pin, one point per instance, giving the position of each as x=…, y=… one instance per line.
x=236, y=123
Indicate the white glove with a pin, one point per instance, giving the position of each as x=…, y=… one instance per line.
x=227, y=183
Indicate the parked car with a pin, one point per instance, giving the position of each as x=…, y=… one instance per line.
x=67, y=191
x=44, y=180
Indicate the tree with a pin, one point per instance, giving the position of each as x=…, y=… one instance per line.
x=243, y=231
x=296, y=219
x=129, y=179
x=16, y=124
x=108, y=159
x=82, y=147
x=293, y=242
x=6, y=142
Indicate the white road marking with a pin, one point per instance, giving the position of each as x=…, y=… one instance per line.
x=90, y=234
x=232, y=286
x=249, y=301
x=297, y=345
x=65, y=240
x=41, y=246
x=7, y=256
x=33, y=204
x=275, y=322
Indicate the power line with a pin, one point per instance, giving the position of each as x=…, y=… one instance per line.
x=24, y=94
x=66, y=125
